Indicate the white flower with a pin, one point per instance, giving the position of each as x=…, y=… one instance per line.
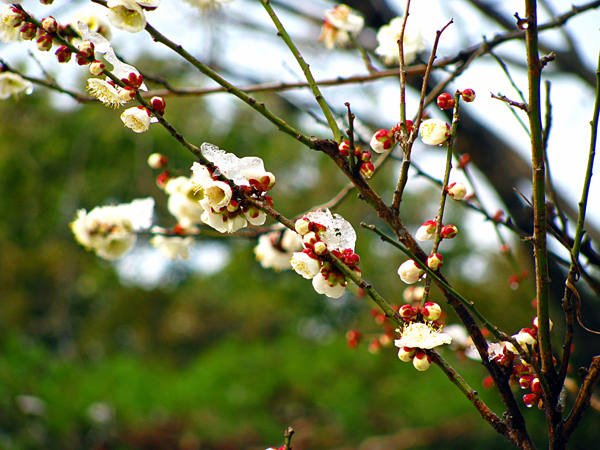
x=274, y=251
x=457, y=191
x=104, y=91
x=388, y=36
x=420, y=335
x=322, y=286
x=8, y=32
x=183, y=201
x=434, y=131
x=217, y=194
x=409, y=272
x=256, y=217
x=136, y=118
x=205, y=5
x=126, y=15
x=13, y=84
x=110, y=230
x=338, y=24
x=305, y=265
x=173, y=247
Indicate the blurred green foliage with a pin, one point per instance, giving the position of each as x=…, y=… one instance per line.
x=223, y=360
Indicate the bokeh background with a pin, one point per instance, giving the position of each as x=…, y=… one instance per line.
x=216, y=352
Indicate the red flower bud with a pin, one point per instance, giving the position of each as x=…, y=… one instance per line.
x=63, y=54
x=445, y=101
x=344, y=148
x=468, y=95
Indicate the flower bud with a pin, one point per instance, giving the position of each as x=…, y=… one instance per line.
x=63, y=54
x=50, y=25
x=97, y=68
x=525, y=382
x=407, y=312
x=535, y=323
x=445, y=101
x=435, y=261
x=431, y=311
x=365, y=156
x=127, y=93
x=157, y=161
x=133, y=80
x=233, y=206
x=406, y=354
x=163, y=179
x=344, y=148
x=530, y=400
x=310, y=239
x=426, y=232
x=367, y=169
x=28, y=32
x=409, y=272
x=463, y=161
x=457, y=191
x=87, y=48
x=302, y=226
x=320, y=247
x=374, y=346
x=468, y=95
x=449, y=231
x=434, y=132
x=525, y=337
x=159, y=105
x=44, y=43
x=536, y=386
x=12, y=17
x=421, y=361
x=382, y=141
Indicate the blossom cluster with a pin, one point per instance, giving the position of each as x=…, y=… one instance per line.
x=339, y=24
x=325, y=232
x=275, y=249
x=223, y=208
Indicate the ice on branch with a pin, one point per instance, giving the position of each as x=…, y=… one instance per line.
x=275, y=249
x=13, y=84
x=224, y=209
x=388, y=37
x=324, y=232
x=120, y=69
x=338, y=25
x=109, y=231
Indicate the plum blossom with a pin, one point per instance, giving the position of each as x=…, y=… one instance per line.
x=426, y=232
x=388, y=36
x=421, y=335
x=136, y=118
x=109, y=231
x=275, y=250
x=13, y=84
x=223, y=210
x=173, y=247
x=434, y=131
x=129, y=15
x=104, y=91
x=338, y=25
x=304, y=265
x=207, y=5
x=409, y=272
x=183, y=201
x=9, y=24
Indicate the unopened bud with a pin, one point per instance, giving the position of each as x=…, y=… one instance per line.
x=536, y=386
x=344, y=148
x=50, y=25
x=382, y=140
x=407, y=312
x=233, y=206
x=463, y=161
x=457, y=191
x=365, y=156
x=435, y=261
x=63, y=54
x=28, y=32
x=449, y=231
x=302, y=226
x=431, y=311
x=97, y=68
x=310, y=239
x=133, y=80
x=159, y=105
x=421, y=361
x=44, y=43
x=320, y=247
x=468, y=95
x=535, y=323
x=445, y=101
x=426, y=232
x=163, y=179
x=525, y=382
x=406, y=354
x=367, y=169
x=374, y=346
x=157, y=161
x=127, y=93
x=530, y=400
